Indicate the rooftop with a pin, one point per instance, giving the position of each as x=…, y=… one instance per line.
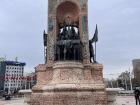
x=14, y=63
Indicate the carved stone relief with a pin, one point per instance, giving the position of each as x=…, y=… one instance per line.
x=83, y=4
x=85, y=36
x=50, y=24
x=50, y=46
x=52, y=4
x=51, y=29
x=84, y=24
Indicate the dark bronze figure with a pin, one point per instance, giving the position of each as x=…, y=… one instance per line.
x=91, y=49
x=45, y=35
x=68, y=45
x=45, y=38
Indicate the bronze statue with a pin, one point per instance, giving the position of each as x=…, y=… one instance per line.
x=91, y=49
x=68, y=45
x=45, y=36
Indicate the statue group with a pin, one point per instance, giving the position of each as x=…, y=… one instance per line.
x=68, y=45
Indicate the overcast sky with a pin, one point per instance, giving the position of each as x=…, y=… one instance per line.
x=22, y=23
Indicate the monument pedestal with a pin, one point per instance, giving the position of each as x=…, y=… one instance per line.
x=69, y=83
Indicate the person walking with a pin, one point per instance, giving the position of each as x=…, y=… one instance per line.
x=137, y=96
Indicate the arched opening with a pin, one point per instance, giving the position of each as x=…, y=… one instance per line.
x=67, y=9
x=68, y=45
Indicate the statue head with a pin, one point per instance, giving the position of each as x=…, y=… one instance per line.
x=68, y=20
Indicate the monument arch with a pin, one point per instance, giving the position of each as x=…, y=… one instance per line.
x=68, y=45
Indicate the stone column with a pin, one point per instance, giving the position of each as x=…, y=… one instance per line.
x=84, y=37
x=51, y=39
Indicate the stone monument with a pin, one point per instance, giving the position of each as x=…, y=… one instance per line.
x=68, y=76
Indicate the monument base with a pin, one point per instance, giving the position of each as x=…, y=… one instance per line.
x=69, y=83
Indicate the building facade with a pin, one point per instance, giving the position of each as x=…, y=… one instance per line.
x=2, y=74
x=11, y=73
x=136, y=70
x=29, y=80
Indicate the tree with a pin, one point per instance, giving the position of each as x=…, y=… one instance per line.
x=124, y=80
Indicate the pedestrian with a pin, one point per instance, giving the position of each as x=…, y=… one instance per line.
x=137, y=95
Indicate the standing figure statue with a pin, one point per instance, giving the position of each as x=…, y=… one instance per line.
x=91, y=49
x=45, y=36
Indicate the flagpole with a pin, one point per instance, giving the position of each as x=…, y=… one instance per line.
x=95, y=42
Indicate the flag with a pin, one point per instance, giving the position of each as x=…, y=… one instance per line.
x=95, y=38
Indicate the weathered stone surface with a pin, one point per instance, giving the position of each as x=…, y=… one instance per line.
x=69, y=98
x=72, y=84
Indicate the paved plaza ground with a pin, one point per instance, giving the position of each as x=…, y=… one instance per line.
x=15, y=101
x=121, y=100
x=125, y=100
